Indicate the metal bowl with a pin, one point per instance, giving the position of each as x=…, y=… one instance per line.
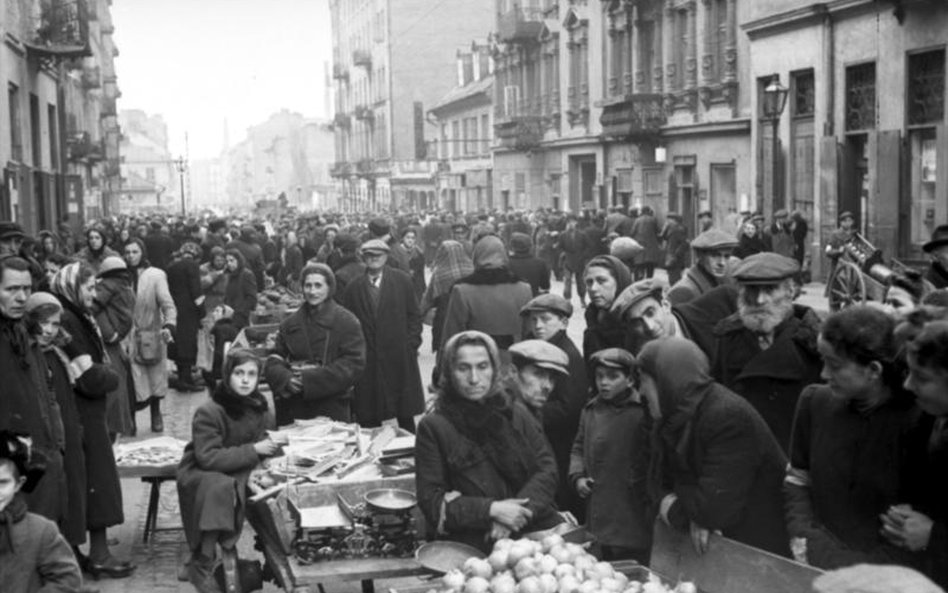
x=390, y=500
x=443, y=556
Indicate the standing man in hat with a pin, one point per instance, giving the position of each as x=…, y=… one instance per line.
x=11, y=243
x=937, y=249
x=529, y=268
x=383, y=299
x=646, y=232
x=839, y=238
x=705, y=221
x=675, y=236
x=778, y=236
x=712, y=250
x=766, y=352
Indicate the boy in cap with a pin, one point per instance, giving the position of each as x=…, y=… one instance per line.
x=612, y=432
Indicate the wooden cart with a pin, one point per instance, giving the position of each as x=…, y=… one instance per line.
x=860, y=274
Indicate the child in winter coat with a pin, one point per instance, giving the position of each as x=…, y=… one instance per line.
x=33, y=555
x=228, y=440
x=606, y=458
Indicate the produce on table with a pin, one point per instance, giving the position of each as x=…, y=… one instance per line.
x=548, y=566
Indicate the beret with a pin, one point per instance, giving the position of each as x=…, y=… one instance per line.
x=766, y=268
x=38, y=299
x=638, y=291
x=111, y=262
x=548, y=302
x=542, y=354
x=714, y=239
x=376, y=245
x=615, y=358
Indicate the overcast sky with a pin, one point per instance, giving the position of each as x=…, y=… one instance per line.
x=199, y=62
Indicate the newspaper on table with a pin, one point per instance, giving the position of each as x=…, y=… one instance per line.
x=156, y=452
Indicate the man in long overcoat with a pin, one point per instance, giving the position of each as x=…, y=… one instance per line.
x=384, y=301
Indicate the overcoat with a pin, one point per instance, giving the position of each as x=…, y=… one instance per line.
x=241, y=295
x=154, y=309
x=646, y=232
x=329, y=338
x=391, y=385
x=41, y=561
x=490, y=305
x=184, y=284
x=695, y=282
x=112, y=308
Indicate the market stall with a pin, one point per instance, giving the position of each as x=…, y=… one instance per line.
x=155, y=462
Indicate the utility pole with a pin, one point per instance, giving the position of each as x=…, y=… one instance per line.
x=181, y=166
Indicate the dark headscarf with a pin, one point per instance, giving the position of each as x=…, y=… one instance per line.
x=451, y=263
x=236, y=406
x=619, y=271
x=491, y=264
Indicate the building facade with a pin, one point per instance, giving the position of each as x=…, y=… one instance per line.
x=864, y=127
x=465, y=130
x=59, y=146
x=392, y=61
x=150, y=182
x=623, y=103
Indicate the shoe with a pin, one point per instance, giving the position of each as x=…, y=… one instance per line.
x=157, y=422
x=110, y=569
x=201, y=574
x=231, y=574
x=186, y=387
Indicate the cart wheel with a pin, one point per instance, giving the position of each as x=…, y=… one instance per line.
x=846, y=287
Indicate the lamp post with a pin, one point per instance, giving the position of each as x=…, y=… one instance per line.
x=181, y=166
x=775, y=99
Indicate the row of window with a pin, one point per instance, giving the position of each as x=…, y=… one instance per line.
x=465, y=137
x=15, y=121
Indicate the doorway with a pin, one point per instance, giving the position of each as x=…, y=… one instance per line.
x=582, y=193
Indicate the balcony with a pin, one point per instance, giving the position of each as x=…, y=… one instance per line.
x=340, y=170
x=60, y=30
x=520, y=124
x=363, y=58
x=342, y=121
x=91, y=78
x=340, y=72
x=520, y=25
x=365, y=167
x=637, y=117
x=81, y=147
x=364, y=113
x=108, y=107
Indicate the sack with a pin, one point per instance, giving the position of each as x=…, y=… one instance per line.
x=148, y=347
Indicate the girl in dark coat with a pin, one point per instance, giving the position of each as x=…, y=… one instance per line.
x=326, y=339
x=605, y=277
x=484, y=470
x=715, y=464
x=228, y=439
x=74, y=285
x=184, y=283
x=849, y=444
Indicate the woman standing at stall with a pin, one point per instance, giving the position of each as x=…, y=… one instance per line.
x=484, y=469
x=228, y=439
x=74, y=285
x=153, y=322
x=326, y=339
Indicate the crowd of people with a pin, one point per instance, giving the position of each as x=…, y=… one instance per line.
x=711, y=400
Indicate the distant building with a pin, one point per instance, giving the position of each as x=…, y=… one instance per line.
x=59, y=143
x=392, y=61
x=465, y=130
x=149, y=180
x=208, y=183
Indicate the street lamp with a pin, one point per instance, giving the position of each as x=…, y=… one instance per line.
x=181, y=166
x=775, y=99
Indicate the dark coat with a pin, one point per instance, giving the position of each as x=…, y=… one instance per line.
x=103, y=489
x=748, y=246
x=28, y=406
x=293, y=263
x=349, y=269
x=446, y=461
x=695, y=282
x=41, y=561
x=489, y=300
x=184, y=284
x=929, y=494
x=573, y=244
x=937, y=275
x=330, y=338
x=241, y=295
x=391, y=385
x=213, y=474
x=675, y=236
x=645, y=231
x=253, y=257
x=532, y=270
x=605, y=449
x=160, y=248
x=113, y=305
x=847, y=469
x=771, y=380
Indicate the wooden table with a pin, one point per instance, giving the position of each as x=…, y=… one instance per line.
x=155, y=476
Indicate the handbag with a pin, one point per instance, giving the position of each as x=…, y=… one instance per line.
x=148, y=347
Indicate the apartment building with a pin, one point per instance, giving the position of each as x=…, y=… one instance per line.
x=150, y=182
x=59, y=141
x=392, y=61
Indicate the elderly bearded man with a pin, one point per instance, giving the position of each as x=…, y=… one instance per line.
x=712, y=250
x=766, y=352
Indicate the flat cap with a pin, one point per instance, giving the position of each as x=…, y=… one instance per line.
x=548, y=302
x=714, y=239
x=638, y=291
x=375, y=246
x=11, y=230
x=542, y=354
x=766, y=268
x=846, y=214
x=614, y=358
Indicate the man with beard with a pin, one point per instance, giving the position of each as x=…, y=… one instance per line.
x=712, y=249
x=766, y=352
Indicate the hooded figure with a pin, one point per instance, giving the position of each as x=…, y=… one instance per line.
x=714, y=462
x=526, y=266
x=490, y=299
x=603, y=329
x=323, y=347
x=477, y=449
x=96, y=249
x=112, y=307
x=451, y=263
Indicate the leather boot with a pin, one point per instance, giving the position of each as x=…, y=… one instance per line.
x=231, y=572
x=157, y=423
x=201, y=574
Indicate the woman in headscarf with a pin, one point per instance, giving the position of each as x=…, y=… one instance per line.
x=484, y=470
x=605, y=277
x=451, y=263
x=96, y=248
x=715, y=465
x=74, y=285
x=490, y=299
x=240, y=298
x=319, y=354
x=47, y=245
x=153, y=324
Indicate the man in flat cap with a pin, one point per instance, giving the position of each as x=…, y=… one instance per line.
x=712, y=250
x=547, y=318
x=384, y=301
x=766, y=352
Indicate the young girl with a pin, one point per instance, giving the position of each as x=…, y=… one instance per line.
x=228, y=440
x=33, y=555
x=603, y=465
